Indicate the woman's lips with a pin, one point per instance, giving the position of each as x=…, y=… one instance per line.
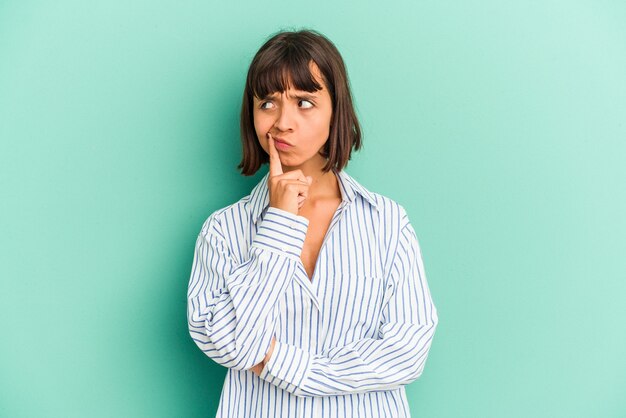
x=282, y=145
x=282, y=140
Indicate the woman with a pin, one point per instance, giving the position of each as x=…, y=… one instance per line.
x=311, y=289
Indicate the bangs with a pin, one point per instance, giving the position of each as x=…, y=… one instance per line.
x=289, y=70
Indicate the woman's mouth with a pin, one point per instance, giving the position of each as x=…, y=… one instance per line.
x=281, y=145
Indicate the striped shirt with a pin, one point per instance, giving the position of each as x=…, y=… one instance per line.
x=347, y=340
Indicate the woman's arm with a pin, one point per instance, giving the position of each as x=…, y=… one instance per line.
x=231, y=307
x=395, y=358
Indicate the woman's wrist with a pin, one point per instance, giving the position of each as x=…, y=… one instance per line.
x=269, y=352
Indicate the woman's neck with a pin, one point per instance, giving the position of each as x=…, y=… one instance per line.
x=325, y=184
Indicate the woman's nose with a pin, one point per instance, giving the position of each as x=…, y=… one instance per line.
x=284, y=120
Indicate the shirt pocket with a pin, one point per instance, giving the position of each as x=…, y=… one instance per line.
x=355, y=308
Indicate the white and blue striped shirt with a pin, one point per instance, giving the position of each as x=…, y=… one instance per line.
x=347, y=341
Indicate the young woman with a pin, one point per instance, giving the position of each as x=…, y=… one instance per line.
x=311, y=289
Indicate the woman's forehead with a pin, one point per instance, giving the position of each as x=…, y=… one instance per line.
x=291, y=77
x=314, y=72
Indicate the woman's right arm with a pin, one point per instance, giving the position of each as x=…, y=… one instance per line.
x=232, y=307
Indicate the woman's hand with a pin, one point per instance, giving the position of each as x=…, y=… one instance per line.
x=259, y=367
x=287, y=190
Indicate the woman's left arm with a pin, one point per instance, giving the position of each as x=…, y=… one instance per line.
x=397, y=357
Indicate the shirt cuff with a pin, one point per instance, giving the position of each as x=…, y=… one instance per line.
x=288, y=366
x=281, y=231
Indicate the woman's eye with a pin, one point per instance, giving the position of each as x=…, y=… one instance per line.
x=306, y=104
x=263, y=105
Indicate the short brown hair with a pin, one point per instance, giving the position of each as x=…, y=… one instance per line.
x=286, y=57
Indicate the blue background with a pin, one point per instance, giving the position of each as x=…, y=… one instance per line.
x=499, y=125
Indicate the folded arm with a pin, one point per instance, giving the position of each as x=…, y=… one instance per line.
x=397, y=357
x=232, y=307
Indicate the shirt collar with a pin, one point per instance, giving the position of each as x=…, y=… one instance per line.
x=350, y=188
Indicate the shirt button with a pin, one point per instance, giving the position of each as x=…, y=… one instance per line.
x=284, y=248
x=292, y=225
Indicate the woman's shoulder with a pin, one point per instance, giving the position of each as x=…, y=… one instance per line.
x=233, y=215
x=389, y=209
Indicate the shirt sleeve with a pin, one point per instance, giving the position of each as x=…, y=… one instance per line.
x=232, y=307
x=397, y=357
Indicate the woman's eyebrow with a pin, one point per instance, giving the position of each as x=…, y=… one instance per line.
x=299, y=95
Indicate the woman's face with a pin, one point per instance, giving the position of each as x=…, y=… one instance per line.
x=299, y=118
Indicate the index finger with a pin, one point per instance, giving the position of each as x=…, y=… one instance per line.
x=276, y=168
